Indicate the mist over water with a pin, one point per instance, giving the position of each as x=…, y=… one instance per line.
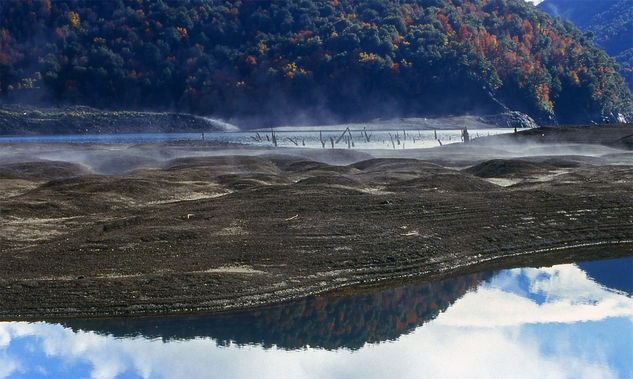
x=223, y=125
x=116, y=154
x=332, y=138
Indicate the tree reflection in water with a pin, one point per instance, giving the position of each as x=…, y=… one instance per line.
x=324, y=322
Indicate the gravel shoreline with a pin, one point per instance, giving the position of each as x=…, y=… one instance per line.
x=193, y=227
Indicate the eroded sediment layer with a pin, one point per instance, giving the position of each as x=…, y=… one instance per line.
x=211, y=233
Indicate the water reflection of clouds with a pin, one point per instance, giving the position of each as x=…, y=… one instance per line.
x=580, y=330
x=569, y=296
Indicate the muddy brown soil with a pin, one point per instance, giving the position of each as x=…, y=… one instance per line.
x=95, y=231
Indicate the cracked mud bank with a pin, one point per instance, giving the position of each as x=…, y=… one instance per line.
x=96, y=230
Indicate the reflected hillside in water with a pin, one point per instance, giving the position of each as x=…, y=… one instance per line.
x=323, y=322
x=554, y=322
x=341, y=322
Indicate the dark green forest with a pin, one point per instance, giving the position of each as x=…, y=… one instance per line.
x=608, y=22
x=298, y=60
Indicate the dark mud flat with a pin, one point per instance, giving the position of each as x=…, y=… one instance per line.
x=193, y=227
x=25, y=120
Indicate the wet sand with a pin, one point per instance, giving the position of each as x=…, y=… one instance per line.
x=97, y=230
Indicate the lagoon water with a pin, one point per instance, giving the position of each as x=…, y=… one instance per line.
x=376, y=139
x=565, y=321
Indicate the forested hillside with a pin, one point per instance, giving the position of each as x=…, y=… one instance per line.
x=608, y=22
x=298, y=60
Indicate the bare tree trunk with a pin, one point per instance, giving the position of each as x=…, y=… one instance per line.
x=366, y=136
x=342, y=135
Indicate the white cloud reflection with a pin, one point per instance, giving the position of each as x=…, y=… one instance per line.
x=496, y=331
x=565, y=292
x=8, y=365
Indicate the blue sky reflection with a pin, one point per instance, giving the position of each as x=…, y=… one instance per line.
x=524, y=323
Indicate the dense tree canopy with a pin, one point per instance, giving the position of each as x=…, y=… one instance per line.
x=608, y=22
x=276, y=59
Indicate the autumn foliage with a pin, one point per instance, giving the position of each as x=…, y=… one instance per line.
x=274, y=59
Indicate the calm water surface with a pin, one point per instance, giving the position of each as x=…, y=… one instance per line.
x=381, y=139
x=565, y=321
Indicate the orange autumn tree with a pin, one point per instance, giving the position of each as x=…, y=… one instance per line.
x=352, y=59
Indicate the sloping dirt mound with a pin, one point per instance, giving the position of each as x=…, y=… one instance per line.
x=127, y=186
x=625, y=142
x=386, y=171
x=229, y=163
x=608, y=175
x=215, y=170
x=395, y=165
x=504, y=168
x=563, y=162
x=107, y=164
x=43, y=170
x=307, y=166
x=330, y=180
x=246, y=180
x=444, y=181
x=97, y=193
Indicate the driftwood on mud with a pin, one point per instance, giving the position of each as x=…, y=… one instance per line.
x=392, y=141
x=367, y=137
x=274, y=137
x=343, y=135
